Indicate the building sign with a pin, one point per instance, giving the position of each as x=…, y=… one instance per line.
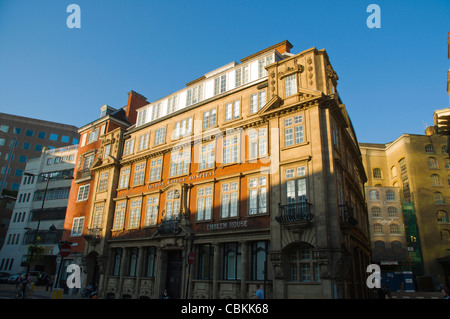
x=227, y=225
x=184, y=179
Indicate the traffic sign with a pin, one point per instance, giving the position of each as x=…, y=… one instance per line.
x=65, y=250
x=191, y=257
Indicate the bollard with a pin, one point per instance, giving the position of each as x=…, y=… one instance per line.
x=57, y=293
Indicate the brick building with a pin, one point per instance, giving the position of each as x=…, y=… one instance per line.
x=252, y=172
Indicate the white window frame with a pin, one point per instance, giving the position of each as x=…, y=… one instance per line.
x=139, y=173
x=128, y=147
x=160, y=136
x=119, y=215
x=290, y=85
x=229, y=199
x=257, y=142
x=231, y=149
x=207, y=155
x=77, y=227
x=205, y=202
x=294, y=130
x=124, y=178
x=155, y=169
x=151, y=210
x=135, y=213
x=257, y=195
x=83, y=193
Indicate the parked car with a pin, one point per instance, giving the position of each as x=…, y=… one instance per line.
x=12, y=279
x=37, y=277
x=4, y=277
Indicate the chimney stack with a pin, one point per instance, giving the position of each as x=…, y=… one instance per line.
x=135, y=101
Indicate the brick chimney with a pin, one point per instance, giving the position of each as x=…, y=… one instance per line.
x=135, y=101
x=284, y=46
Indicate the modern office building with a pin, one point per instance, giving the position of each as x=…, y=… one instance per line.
x=23, y=138
x=419, y=166
x=39, y=212
x=251, y=174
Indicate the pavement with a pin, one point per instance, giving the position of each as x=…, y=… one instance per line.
x=8, y=291
x=417, y=295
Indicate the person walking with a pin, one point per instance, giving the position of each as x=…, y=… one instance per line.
x=259, y=292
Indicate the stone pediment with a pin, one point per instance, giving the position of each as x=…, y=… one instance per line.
x=308, y=94
x=274, y=103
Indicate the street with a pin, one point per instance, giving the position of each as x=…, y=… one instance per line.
x=8, y=291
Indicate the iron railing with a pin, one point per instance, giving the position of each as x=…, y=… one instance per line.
x=295, y=212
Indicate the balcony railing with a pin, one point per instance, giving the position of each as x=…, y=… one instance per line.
x=85, y=173
x=93, y=235
x=295, y=213
x=169, y=227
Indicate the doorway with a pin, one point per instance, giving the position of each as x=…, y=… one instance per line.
x=174, y=272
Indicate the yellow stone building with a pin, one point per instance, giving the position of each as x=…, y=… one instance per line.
x=419, y=167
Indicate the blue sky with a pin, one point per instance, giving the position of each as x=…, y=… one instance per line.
x=391, y=79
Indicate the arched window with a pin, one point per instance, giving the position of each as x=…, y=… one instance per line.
x=394, y=171
x=430, y=149
x=435, y=180
x=394, y=229
x=377, y=229
x=442, y=217
x=376, y=211
x=445, y=236
x=392, y=211
x=390, y=195
x=376, y=173
x=438, y=199
x=374, y=195
x=432, y=163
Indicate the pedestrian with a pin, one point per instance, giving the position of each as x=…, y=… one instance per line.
x=259, y=292
x=49, y=283
x=445, y=293
x=165, y=294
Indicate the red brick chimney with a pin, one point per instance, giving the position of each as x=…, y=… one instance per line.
x=135, y=101
x=284, y=46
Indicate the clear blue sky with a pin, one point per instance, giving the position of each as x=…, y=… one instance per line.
x=391, y=79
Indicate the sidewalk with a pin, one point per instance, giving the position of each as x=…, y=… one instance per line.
x=417, y=295
x=39, y=292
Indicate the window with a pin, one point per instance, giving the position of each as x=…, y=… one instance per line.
x=41, y=134
x=435, y=180
x=180, y=160
x=98, y=215
x=132, y=265
x=303, y=268
x=124, y=177
x=117, y=261
x=4, y=128
x=232, y=110
x=376, y=211
x=160, y=136
x=230, y=200
x=128, y=147
x=220, y=84
x=257, y=101
x=394, y=229
x=53, y=137
x=65, y=139
x=445, y=236
x=156, y=111
x=182, y=128
x=231, y=149
x=290, y=85
x=172, y=205
x=38, y=148
x=119, y=215
x=172, y=104
x=205, y=261
x=293, y=130
x=93, y=135
x=83, y=193
x=257, y=142
x=139, y=173
x=378, y=229
x=257, y=195
x=204, y=203
x=296, y=185
x=25, y=146
x=141, y=116
x=430, y=149
x=209, y=119
x=17, y=130
x=143, y=142
x=207, y=156
x=376, y=173
x=442, y=217
x=374, y=195
x=151, y=262
x=22, y=159
x=103, y=181
x=135, y=213
x=438, y=199
x=194, y=95
x=151, y=213
x=77, y=226
x=392, y=211
x=260, y=250
x=432, y=163
x=261, y=65
x=444, y=149
x=232, y=261
x=390, y=195
x=155, y=170
x=29, y=133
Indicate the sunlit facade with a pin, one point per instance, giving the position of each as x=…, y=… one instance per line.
x=250, y=175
